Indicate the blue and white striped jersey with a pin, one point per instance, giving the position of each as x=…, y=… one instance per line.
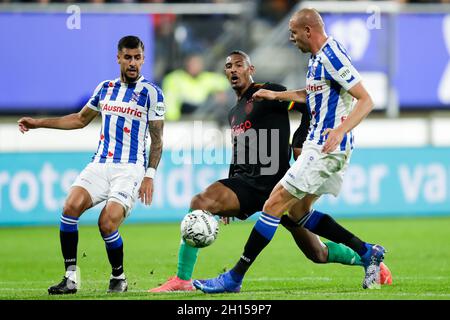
x=126, y=110
x=330, y=75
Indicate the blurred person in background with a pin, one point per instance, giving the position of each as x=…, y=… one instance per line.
x=273, y=11
x=192, y=88
x=120, y=171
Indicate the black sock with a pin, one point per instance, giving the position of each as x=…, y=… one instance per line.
x=288, y=223
x=255, y=244
x=69, y=243
x=114, y=249
x=115, y=257
x=325, y=226
x=68, y=237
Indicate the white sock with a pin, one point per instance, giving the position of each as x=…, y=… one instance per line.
x=72, y=275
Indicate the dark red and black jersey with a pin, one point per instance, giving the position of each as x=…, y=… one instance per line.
x=260, y=134
x=300, y=134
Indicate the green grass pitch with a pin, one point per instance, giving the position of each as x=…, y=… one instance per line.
x=418, y=256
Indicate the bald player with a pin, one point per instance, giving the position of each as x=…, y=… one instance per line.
x=249, y=184
x=332, y=83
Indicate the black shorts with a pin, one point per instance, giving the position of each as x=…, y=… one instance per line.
x=298, y=139
x=251, y=200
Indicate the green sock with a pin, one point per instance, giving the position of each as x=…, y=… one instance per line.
x=339, y=253
x=187, y=257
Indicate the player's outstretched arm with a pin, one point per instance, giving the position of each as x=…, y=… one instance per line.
x=362, y=108
x=68, y=122
x=292, y=95
x=156, y=134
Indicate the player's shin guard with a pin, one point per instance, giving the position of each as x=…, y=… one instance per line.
x=325, y=226
x=68, y=236
x=187, y=257
x=261, y=235
x=114, y=248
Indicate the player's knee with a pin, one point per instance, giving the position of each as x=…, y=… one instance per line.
x=200, y=202
x=197, y=202
x=271, y=205
x=70, y=209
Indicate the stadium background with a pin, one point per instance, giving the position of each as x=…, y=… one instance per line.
x=401, y=165
x=53, y=55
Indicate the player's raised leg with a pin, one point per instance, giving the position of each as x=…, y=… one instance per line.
x=217, y=199
x=310, y=244
x=316, y=250
x=109, y=221
x=371, y=254
x=328, y=251
x=76, y=203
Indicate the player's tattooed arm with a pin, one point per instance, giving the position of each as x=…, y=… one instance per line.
x=156, y=134
x=292, y=95
x=68, y=122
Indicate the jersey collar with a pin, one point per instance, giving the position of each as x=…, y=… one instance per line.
x=249, y=92
x=140, y=79
x=329, y=39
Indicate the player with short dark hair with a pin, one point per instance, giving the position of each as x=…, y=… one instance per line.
x=120, y=171
x=130, y=42
x=255, y=126
x=331, y=86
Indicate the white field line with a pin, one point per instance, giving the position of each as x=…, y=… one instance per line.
x=261, y=279
x=87, y=294
x=45, y=283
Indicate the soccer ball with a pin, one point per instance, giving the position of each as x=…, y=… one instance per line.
x=199, y=228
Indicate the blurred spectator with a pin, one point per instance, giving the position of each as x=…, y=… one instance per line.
x=423, y=1
x=275, y=10
x=192, y=89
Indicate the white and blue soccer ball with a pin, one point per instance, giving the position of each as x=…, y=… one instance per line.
x=199, y=228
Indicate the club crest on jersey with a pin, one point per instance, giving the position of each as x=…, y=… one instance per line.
x=249, y=106
x=134, y=97
x=312, y=72
x=313, y=68
x=110, y=88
